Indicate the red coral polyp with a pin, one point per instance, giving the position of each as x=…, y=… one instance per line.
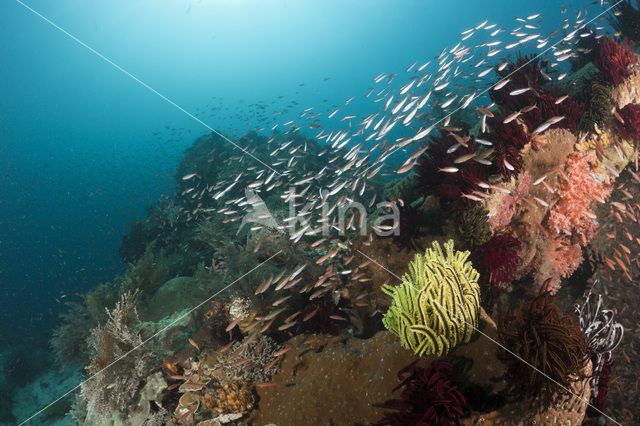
x=500, y=258
x=630, y=128
x=613, y=60
x=429, y=397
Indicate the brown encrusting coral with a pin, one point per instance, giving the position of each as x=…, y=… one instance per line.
x=547, y=339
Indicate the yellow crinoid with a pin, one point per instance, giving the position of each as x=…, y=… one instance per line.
x=436, y=307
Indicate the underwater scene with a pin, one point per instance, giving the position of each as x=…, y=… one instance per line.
x=305, y=212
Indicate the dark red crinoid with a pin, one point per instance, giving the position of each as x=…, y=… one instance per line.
x=630, y=129
x=429, y=397
x=508, y=140
x=499, y=259
x=525, y=72
x=613, y=59
x=547, y=107
x=448, y=186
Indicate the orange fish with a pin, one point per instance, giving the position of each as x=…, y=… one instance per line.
x=170, y=366
x=194, y=344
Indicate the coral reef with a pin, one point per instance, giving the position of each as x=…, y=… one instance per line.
x=436, y=306
x=429, y=396
x=549, y=340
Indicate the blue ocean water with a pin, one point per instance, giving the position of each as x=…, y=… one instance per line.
x=85, y=149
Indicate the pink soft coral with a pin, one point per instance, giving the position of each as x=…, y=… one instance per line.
x=560, y=260
x=571, y=215
x=509, y=203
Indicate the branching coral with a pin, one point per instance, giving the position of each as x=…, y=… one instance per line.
x=500, y=259
x=449, y=187
x=471, y=226
x=613, y=59
x=429, y=396
x=117, y=367
x=549, y=340
x=630, y=128
x=436, y=306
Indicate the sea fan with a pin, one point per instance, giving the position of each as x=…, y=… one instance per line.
x=500, y=259
x=630, y=129
x=613, y=59
x=429, y=396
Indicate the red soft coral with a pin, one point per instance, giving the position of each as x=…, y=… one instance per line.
x=500, y=259
x=571, y=215
x=613, y=59
x=630, y=129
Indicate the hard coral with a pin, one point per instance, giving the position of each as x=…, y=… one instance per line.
x=545, y=338
x=429, y=396
x=630, y=129
x=228, y=399
x=449, y=187
x=500, y=259
x=613, y=59
x=440, y=294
